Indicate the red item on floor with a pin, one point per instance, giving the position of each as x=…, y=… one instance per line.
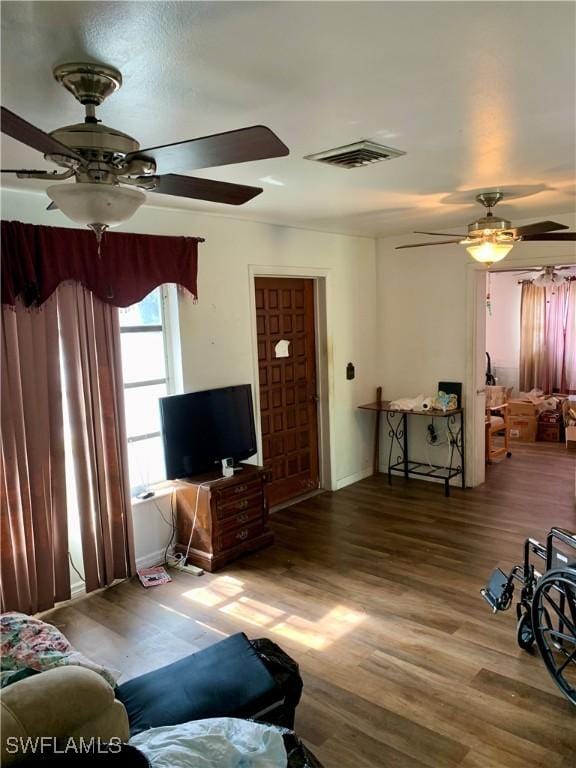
x=153, y=577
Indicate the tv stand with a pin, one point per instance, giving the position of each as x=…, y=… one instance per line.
x=231, y=519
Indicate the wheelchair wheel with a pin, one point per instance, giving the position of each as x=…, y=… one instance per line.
x=554, y=626
x=524, y=632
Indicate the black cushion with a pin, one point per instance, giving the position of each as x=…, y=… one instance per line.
x=227, y=679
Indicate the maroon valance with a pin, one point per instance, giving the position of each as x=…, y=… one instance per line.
x=36, y=259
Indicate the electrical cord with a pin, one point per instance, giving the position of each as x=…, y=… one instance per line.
x=75, y=569
x=178, y=560
x=169, y=523
x=172, y=524
x=437, y=444
x=181, y=558
x=193, y=528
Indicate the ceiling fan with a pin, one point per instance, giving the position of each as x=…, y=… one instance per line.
x=490, y=239
x=110, y=169
x=548, y=276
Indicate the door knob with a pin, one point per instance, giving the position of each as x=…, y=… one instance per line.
x=314, y=398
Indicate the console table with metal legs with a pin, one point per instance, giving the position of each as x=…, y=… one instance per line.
x=399, y=452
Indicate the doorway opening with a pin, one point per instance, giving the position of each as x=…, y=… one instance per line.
x=530, y=375
x=289, y=353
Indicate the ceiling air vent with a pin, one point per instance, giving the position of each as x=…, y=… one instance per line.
x=356, y=155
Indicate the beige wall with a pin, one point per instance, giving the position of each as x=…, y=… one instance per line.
x=503, y=327
x=424, y=316
x=402, y=317
x=217, y=343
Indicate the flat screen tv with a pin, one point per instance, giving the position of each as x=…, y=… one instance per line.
x=200, y=429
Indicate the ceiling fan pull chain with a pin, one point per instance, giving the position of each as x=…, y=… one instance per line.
x=99, y=230
x=488, y=302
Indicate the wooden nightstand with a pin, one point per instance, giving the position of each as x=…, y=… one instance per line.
x=231, y=517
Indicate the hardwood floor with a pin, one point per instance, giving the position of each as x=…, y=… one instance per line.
x=374, y=590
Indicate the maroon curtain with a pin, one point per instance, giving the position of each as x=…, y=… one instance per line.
x=36, y=259
x=34, y=569
x=78, y=329
x=90, y=342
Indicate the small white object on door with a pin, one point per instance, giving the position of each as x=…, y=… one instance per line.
x=282, y=348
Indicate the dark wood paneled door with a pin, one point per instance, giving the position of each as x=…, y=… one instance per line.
x=288, y=385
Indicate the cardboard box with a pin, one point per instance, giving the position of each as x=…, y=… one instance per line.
x=549, y=433
x=524, y=408
x=571, y=438
x=523, y=428
x=550, y=417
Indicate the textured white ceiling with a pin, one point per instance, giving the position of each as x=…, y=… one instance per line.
x=479, y=94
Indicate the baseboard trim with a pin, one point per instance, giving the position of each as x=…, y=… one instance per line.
x=355, y=478
x=152, y=558
x=77, y=589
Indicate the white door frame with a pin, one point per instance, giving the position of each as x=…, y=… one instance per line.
x=475, y=363
x=474, y=396
x=324, y=364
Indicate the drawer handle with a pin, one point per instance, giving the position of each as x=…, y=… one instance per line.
x=242, y=504
x=240, y=488
x=243, y=534
x=243, y=518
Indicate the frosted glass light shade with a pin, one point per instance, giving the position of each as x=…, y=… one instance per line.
x=542, y=281
x=91, y=203
x=488, y=253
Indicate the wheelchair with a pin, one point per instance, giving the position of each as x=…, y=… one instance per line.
x=546, y=610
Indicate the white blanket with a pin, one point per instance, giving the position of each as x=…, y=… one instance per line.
x=222, y=742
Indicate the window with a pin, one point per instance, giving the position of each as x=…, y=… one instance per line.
x=145, y=371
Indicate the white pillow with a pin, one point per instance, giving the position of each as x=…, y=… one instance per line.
x=222, y=742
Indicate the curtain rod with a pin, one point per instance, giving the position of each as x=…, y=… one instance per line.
x=567, y=279
x=520, y=268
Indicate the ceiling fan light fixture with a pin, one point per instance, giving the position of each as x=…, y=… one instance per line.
x=488, y=252
x=491, y=239
x=94, y=204
x=547, y=279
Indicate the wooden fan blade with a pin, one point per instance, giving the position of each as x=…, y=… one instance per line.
x=22, y=170
x=557, y=236
x=536, y=229
x=26, y=133
x=241, y=146
x=205, y=189
x=421, y=245
x=439, y=234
